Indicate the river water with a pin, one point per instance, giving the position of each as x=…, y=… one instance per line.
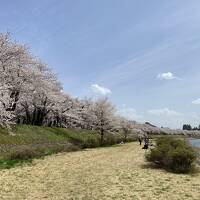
x=195, y=142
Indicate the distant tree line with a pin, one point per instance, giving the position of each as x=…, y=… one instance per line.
x=190, y=128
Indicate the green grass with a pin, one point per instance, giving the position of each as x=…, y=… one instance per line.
x=7, y=164
x=26, y=134
x=26, y=142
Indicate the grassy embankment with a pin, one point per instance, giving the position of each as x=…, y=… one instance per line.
x=27, y=142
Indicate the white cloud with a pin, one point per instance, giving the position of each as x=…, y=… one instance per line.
x=166, y=76
x=163, y=112
x=196, y=102
x=129, y=113
x=100, y=90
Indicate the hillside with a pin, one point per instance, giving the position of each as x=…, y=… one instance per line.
x=26, y=142
x=26, y=134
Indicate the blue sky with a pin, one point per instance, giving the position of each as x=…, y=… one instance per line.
x=144, y=55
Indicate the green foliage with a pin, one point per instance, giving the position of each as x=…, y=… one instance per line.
x=110, y=139
x=173, y=154
x=131, y=138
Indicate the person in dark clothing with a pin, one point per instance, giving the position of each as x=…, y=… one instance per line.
x=146, y=143
x=140, y=141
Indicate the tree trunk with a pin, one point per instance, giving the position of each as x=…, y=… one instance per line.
x=15, y=97
x=125, y=138
x=102, y=137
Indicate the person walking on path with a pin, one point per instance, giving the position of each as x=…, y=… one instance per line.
x=140, y=140
x=146, y=143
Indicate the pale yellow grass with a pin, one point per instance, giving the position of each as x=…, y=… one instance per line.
x=104, y=173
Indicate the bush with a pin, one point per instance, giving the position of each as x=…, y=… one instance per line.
x=91, y=142
x=173, y=154
x=112, y=139
x=131, y=139
x=22, y=153
x=27, y=152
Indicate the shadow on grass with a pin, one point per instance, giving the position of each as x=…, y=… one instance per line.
x=194, y=171
x=150, y=166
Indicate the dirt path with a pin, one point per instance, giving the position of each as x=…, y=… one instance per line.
x=104, y=173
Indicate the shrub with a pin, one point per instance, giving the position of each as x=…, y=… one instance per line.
x=131, y=138
x=91, y=142
x=173, y=154
x=56, y=148
x=26, y=152
x=111, y=139
x=22, y=153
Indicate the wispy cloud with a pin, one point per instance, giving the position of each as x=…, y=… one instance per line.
x=167, y=76
x=163, y=112
x=171, y=118
x=196, y=102
x=163, y=52
x=100, y=90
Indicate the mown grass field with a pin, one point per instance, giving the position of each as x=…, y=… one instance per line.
x=118, y=172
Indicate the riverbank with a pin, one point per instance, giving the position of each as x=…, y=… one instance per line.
x=118, y=172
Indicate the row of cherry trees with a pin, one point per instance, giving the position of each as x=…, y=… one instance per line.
x=30, y=93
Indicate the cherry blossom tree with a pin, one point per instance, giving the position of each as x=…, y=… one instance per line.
x=125, y=126
x=14, y=72
x=104, y=118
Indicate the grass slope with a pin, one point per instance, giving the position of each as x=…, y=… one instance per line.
x=118, y=172
x=26, y=134
x=26, y=142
